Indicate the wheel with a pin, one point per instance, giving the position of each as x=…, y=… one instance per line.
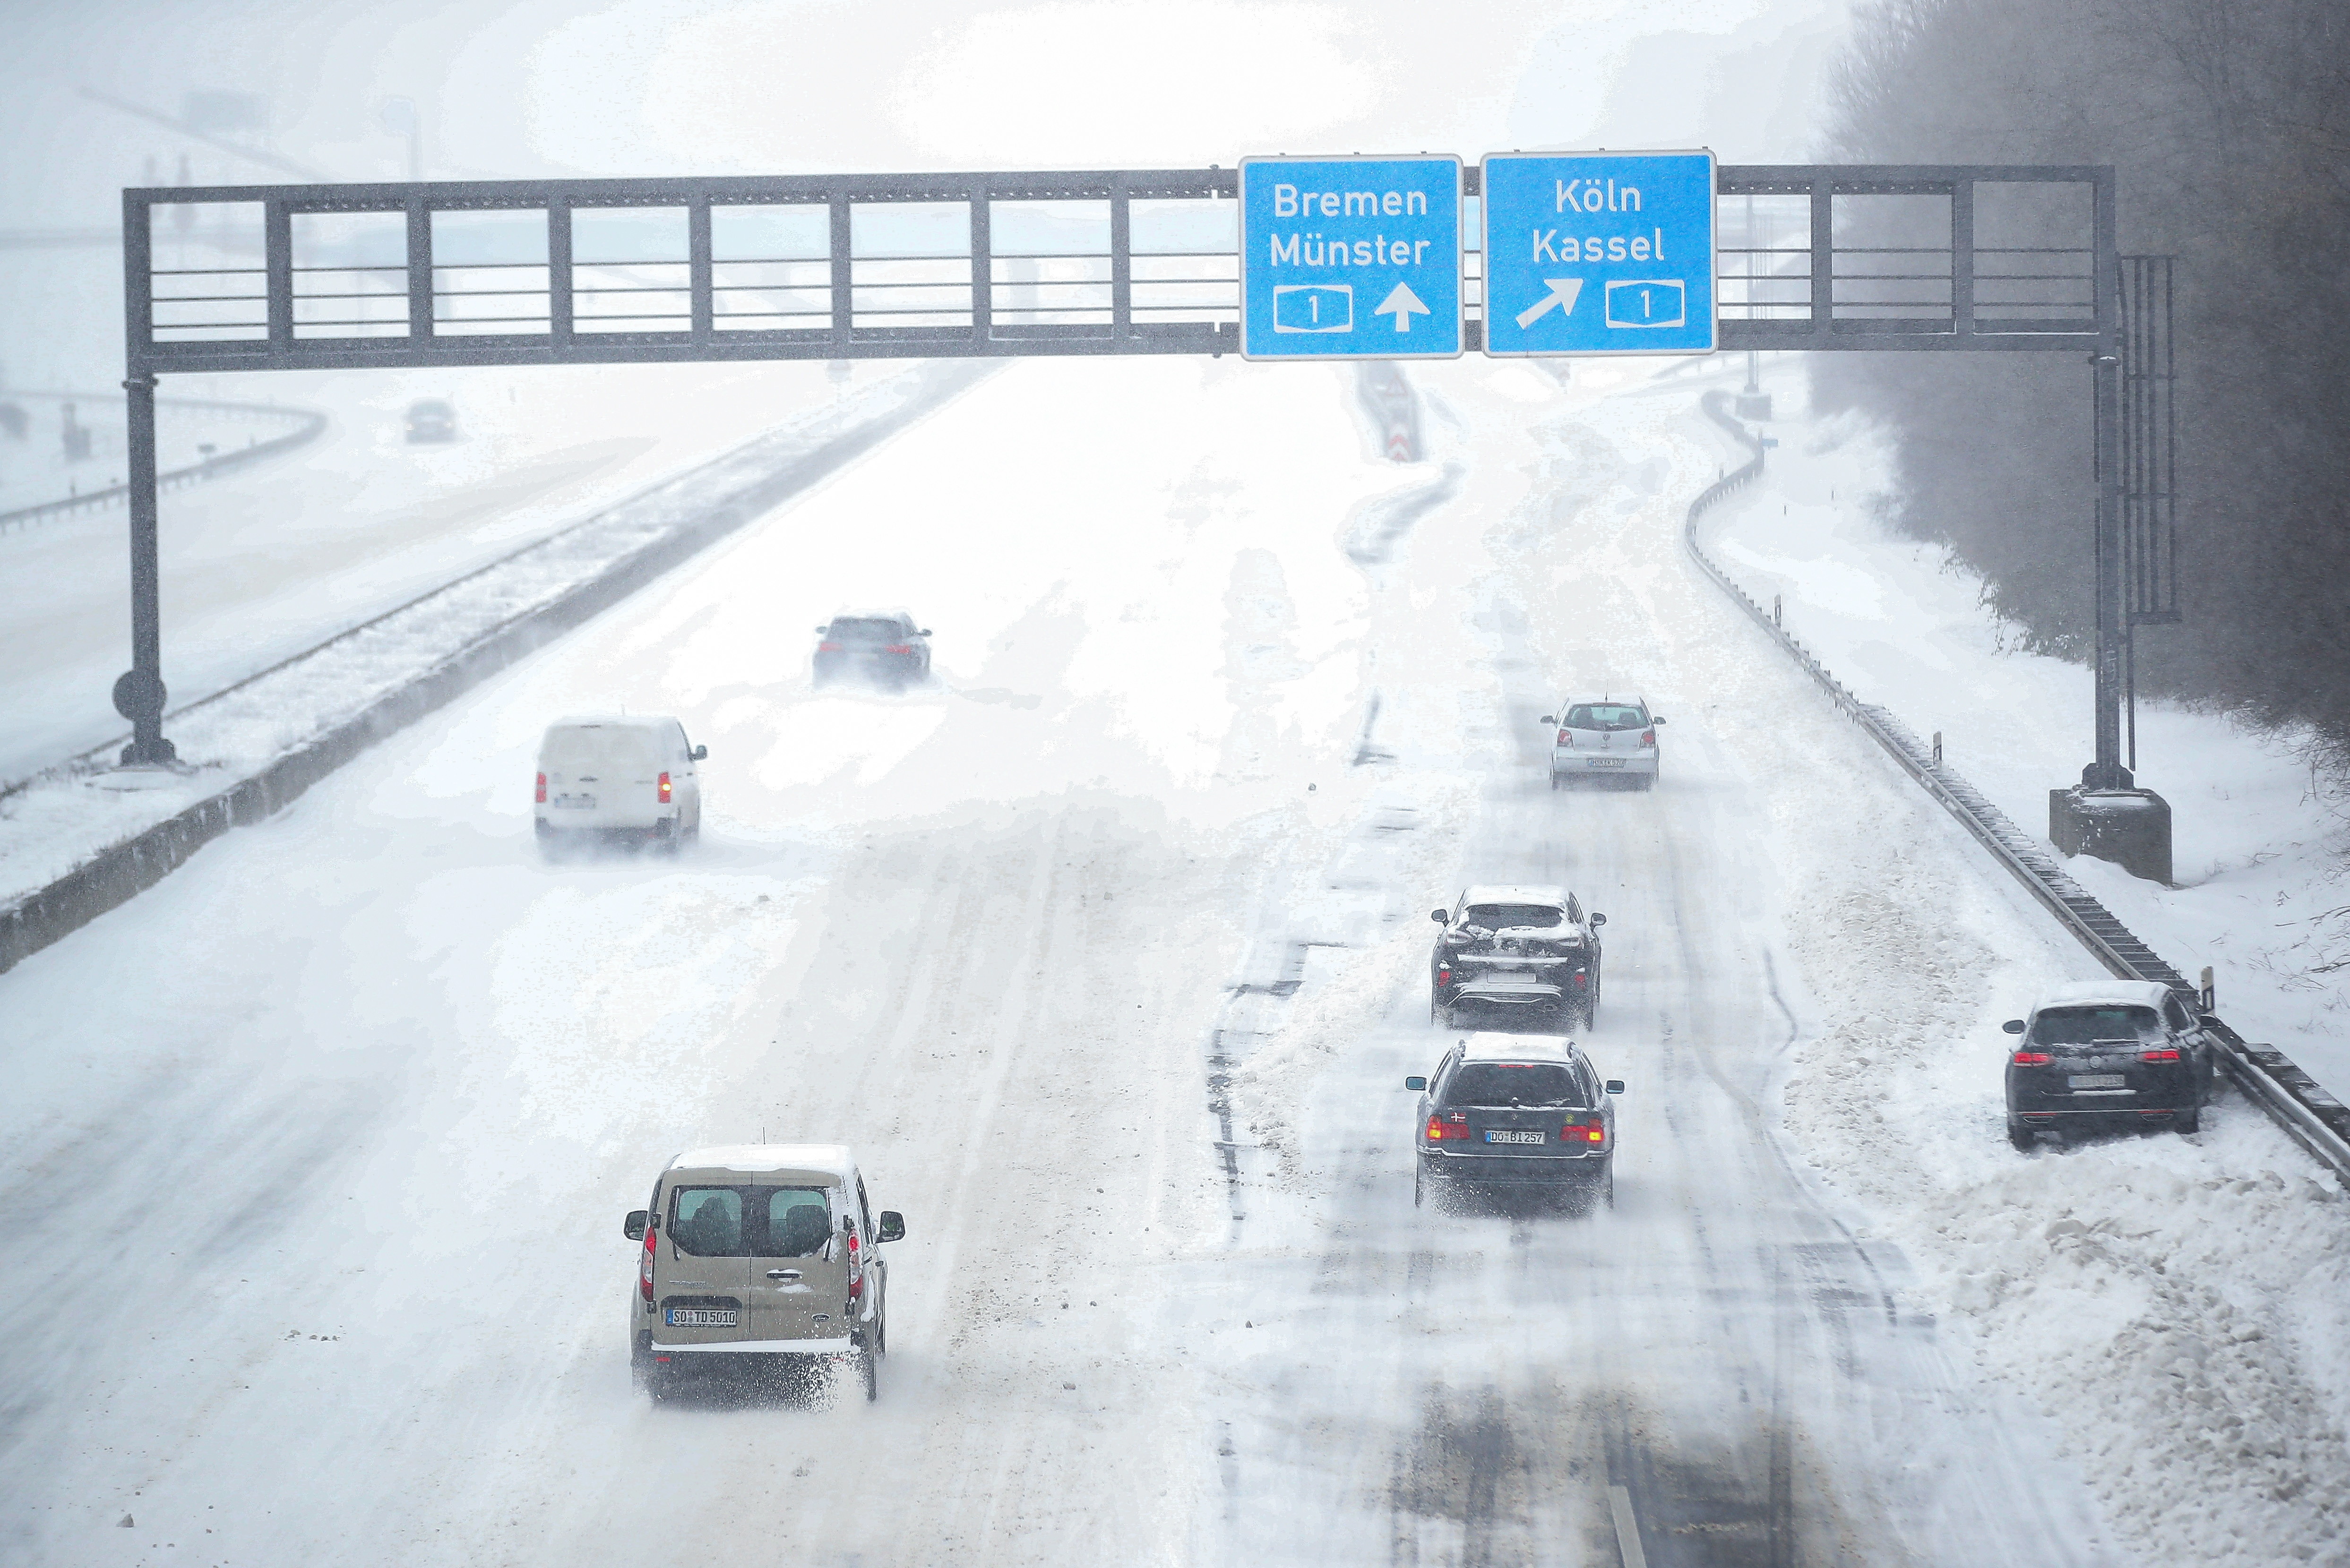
x=868, y=1365
x=1647, y=782
x=1608, y=1189
x=1419, y=1187
x=1553, y=781
x=2192, y=1121
x=2022, y=1137
x=640, y=1360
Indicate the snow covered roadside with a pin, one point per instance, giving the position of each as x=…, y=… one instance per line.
x=2262, y=841
x=2179, y=1306
x=70, y=816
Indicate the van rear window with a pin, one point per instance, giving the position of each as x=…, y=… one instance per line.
x=749, y=1221
x=585, y=747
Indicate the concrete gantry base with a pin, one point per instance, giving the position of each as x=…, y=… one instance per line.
x=2130, y=827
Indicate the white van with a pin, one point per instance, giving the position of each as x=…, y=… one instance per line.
x=612, y=777
x=759, y=1253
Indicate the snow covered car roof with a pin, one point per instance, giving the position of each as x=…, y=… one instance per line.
x=824, y=1159
x=2104, y=993
x=617, y=721
x=1492, y=1045
x=1510, y=893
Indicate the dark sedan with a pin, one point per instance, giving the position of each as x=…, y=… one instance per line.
x=1507, y=1110
x=880, y=649
x=2107, y=1055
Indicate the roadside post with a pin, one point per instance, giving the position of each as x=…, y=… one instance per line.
x=1350, y=258
x=1599, y=252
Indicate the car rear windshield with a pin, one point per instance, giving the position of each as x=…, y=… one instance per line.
x=749, y=1221
x=1605, y=716
x=1513, y=917
x=867, y=630
x=588, y=746
x=2087, y=1025
x=1545, y=1084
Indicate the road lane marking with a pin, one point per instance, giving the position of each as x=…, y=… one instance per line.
x=1627, y=1528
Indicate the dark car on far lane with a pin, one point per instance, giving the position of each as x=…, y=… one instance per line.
x=882, y=648
x=431, y=420
x=1513, y=1110
x=2107, y=1055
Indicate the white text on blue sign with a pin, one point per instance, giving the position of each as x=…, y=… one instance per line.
x=1344, y=258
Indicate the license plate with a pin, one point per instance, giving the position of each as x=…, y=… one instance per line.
x=701, y=1317
x=1605, y=761
x=578, y=802
x=1505, y=1136
x=2096, y=1080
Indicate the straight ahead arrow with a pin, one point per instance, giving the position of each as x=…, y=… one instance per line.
x=1562, y=294
x=1401, y=304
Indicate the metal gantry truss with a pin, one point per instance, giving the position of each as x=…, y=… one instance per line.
x=600, y=272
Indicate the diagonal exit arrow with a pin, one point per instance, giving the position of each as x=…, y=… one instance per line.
x=1562, y=294
x=1400, y=304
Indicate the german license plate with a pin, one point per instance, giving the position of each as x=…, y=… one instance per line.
x=577, y=802
x=1605, y=761
x=2096, y=1080
x=701, y=1317
x=1503, y=1135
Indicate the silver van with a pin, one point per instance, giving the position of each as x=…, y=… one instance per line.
x=759, y=1254
x=611, y=776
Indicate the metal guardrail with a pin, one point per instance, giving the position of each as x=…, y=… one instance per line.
x=308, y=424
x=2309, y=1116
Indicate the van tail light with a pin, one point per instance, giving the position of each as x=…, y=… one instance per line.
x=1566, y=739
x=827, y=648
x=898, y=648
x=664, y=789
x=542, y=789
x=2165, y=1054
x=645, y=1265
x=2031, y=1058
x=856, y=1269
x=1648, y=737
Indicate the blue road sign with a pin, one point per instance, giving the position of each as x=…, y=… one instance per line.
x=1598, y=252
x=1350, y=258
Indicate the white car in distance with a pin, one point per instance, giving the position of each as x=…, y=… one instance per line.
x=1604, y=737
x=618, y=779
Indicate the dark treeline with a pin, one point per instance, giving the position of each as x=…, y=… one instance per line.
x=2229, y=125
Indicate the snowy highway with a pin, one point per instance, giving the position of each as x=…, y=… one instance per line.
x=319, y=1255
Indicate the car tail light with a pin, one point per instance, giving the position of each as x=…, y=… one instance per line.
x=2031, y=1058
x=1581, y=980
x=1567, y=738
x=2156, y=1113
x=645, y=1265
x=664, y=789
x=542, y=789
x=2165, y=1054
x=1444, y=974
x=1575, y=1132
x=1648, y=737
x=1439, y=1129
x=898, y=648
x=827, y=648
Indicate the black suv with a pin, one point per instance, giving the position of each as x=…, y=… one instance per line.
x=1515, y=957
x=883, y=647
x=2109, y=1053
x=1507, y=1110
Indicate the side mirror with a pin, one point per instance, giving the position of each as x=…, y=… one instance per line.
x=1548, y=720
x=1656, y=718
x=633, y=1227
x=1598, y=919
x=700, y=753
x=2208, y=1020
x=2014, y=1026
x=1441, y=916
x=1416, y=1082
x=892, y=1226
x=1615, y=1086
x=924, y=632
x=821, y=630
